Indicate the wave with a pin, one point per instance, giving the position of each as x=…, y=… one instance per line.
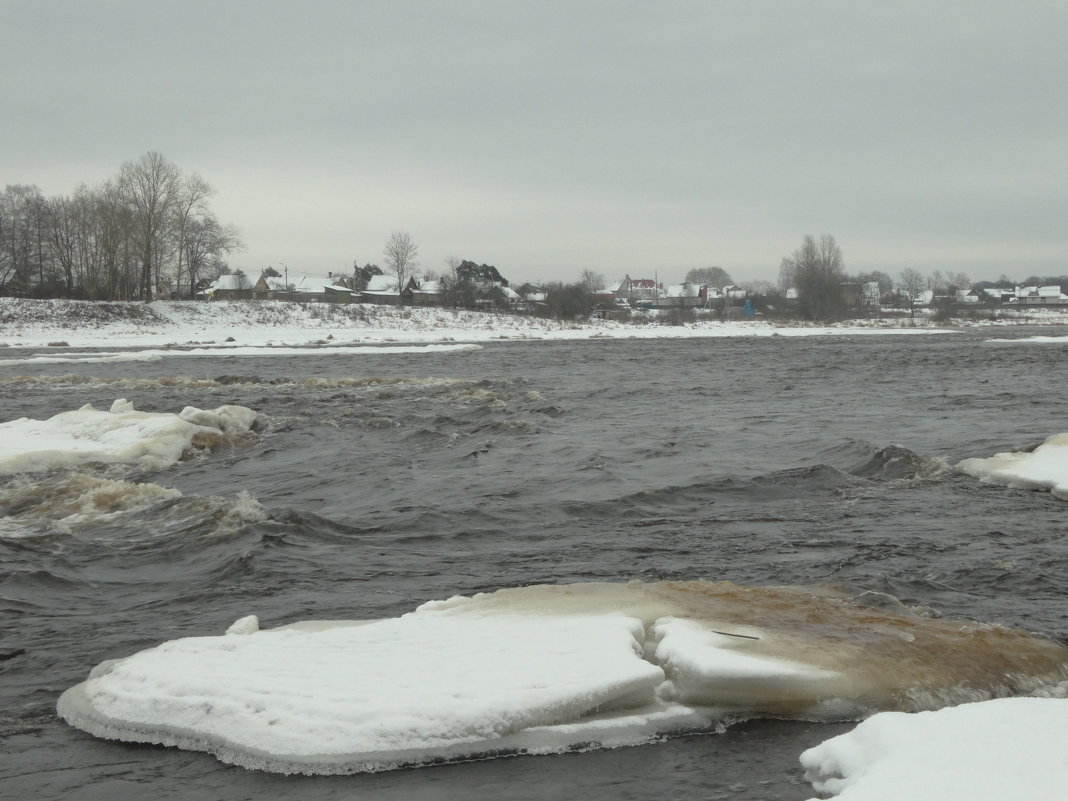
x=112, y=510
x=867, y=468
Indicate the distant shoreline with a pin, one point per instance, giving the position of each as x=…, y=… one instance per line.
x=28, y=323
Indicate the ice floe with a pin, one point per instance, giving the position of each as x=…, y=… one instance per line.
x=1036, y=340
x=544, y=669
x=989, y=751
x=1044, y=468
x=119, y=435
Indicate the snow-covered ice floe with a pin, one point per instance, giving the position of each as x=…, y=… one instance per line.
x=120, y=435
x=544, y=669
x=1044, y=468
x=1011, y=748
x=1037, y=340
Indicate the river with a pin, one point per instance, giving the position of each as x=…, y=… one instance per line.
x=382, y=480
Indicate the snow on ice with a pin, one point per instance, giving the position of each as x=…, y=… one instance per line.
x=1044, y=468
x=120, y=435
x=1010, y=748
x=543, y=669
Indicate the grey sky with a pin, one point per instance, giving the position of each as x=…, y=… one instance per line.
x=551, y=137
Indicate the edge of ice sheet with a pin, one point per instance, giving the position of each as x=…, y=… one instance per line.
x=1044, y=468
x=544, y=669
x=378, y=702
x=986, y=751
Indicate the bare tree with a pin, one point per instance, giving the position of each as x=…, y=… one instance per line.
x=206, y=242
x=592, y=281
x=912, y=284
x=400, y=252
x=150, y=186
x=192, y=197
x=787, y=271
x=955, y=281
x=818, y=275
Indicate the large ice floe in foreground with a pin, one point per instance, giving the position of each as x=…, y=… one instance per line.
x=121, y=435
x=1011, y=748
x=1044, y=468
x=545, y=669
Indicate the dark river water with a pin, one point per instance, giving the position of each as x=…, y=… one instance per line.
x=383, y=480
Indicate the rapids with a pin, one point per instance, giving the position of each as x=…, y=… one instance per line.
x=377, y=483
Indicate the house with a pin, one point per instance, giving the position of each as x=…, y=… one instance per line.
x=996, y=294
x=426, y=293
x=924, y=297
x=497, y=296
x=294, y=286
x=1040, y=296
x=382, y=290
x=638, y=291
x=683, y=296
x=967, y=296
x=232, y=286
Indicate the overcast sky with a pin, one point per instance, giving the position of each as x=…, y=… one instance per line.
x=551, y=137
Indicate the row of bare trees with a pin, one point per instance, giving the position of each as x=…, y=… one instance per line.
x=147, y=231
x=816, y=270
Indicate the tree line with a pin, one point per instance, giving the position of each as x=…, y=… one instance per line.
x=816, y=270
x=148, y=230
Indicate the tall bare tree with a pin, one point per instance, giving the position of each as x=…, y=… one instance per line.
x=191, y=200
x=818, y=275
x=400, y=252
x=787, y=271
x=150, y=186
x=913, y=282
x=206, y=243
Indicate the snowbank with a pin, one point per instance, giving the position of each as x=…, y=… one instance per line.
x=990, y=751
x=82, y=324
x=119, y=436
x=1044, y=468
x=542, y=669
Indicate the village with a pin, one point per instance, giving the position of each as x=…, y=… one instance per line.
x=620, y=299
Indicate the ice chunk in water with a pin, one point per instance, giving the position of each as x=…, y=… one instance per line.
x=543, y=668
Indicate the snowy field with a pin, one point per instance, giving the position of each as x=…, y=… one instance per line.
x=81, y=324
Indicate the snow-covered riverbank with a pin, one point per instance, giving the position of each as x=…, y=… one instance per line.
x=39, y=323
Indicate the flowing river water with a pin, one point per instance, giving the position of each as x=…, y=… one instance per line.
x=381, y=480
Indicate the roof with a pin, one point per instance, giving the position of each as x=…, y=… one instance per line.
x=683, y=291
x=229, y=281
x=382, y=285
